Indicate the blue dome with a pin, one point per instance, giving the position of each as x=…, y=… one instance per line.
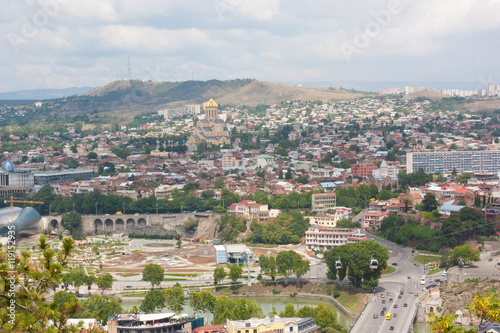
x=8, y=166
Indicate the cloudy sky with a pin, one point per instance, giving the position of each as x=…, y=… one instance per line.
x=66, y=43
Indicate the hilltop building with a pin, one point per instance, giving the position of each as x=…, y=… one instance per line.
x=211, y=129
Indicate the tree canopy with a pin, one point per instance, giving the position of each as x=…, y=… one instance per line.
x=153, y=273
x=355, y=263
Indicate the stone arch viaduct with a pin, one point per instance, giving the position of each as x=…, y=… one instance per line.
x=122, y=222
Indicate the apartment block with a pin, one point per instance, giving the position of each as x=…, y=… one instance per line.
x=470, y=161
x=362, y=170
x=322, y=202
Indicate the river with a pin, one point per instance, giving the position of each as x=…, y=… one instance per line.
x=269, y=303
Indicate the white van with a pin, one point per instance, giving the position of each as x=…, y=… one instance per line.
x=422, y=279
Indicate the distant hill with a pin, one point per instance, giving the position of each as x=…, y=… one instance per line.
x=259, y=92
x=42, y=94
x=427, y=93
x=125, y=99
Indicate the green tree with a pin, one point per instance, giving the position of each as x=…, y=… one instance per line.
x=100, y=308
x=73, y=164
x=355, y=261
x=466, y=252
x=219, y=275
x=290, y=262
x=202, y=301
x=430, y=202
x=486, y=308
x=174, y=298
x=444, y=323
x=72, y=221
x=153, y=274
x=89, y=281
x=289, y=311
x=384, y=195
x=268, y=266
x=346, y=223
x=227, y=308
x=92, y=156
x=235, y=272
x=34, y=277
x=153, y=302
x=78, y=279
x=104, y=281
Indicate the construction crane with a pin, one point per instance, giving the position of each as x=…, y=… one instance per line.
x=18, y=201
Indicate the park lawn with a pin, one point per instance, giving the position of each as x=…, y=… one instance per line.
x=352, y=301
x=426, y=259
x=388, y=270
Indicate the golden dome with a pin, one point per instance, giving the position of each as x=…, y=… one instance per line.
x=211, y=104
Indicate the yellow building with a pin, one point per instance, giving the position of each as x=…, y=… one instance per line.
x=273, y=324
x=211, y=129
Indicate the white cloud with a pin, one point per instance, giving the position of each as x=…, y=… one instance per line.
x=87, y=42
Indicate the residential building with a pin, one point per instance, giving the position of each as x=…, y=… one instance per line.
x=323, y=238
x=374, y=219
x=273, y=324
x=470, y=161
x=322, y=202
x=362, y=170
x=330, y=220
x=250, y=209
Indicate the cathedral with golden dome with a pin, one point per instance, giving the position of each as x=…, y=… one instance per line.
x=211, y=129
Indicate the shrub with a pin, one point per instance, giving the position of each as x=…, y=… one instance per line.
x=336, y=293
x=276, y=291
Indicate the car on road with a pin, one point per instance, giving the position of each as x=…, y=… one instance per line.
x=416, y=294
x=384, y=309
x=400, y=296
x=375, y=315
x=382, y=295
x=408, y=277
x=383, y=301
x=416, y=265
x=430, y=280
x=491, y=259
x=382, y=313
x=437, y=280
x=394, y=264
x=390, y=300
x=444, y=274
x=395, y=306
x=394, y=315
x=405, y=305
x=313, y=277
x=392, y=327
x=388, y=293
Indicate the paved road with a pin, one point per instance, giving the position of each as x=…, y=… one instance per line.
x=393, y=283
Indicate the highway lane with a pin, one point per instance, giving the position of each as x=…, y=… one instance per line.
x=393, y=283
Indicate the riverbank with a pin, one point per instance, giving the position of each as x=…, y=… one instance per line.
x=353, y=301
